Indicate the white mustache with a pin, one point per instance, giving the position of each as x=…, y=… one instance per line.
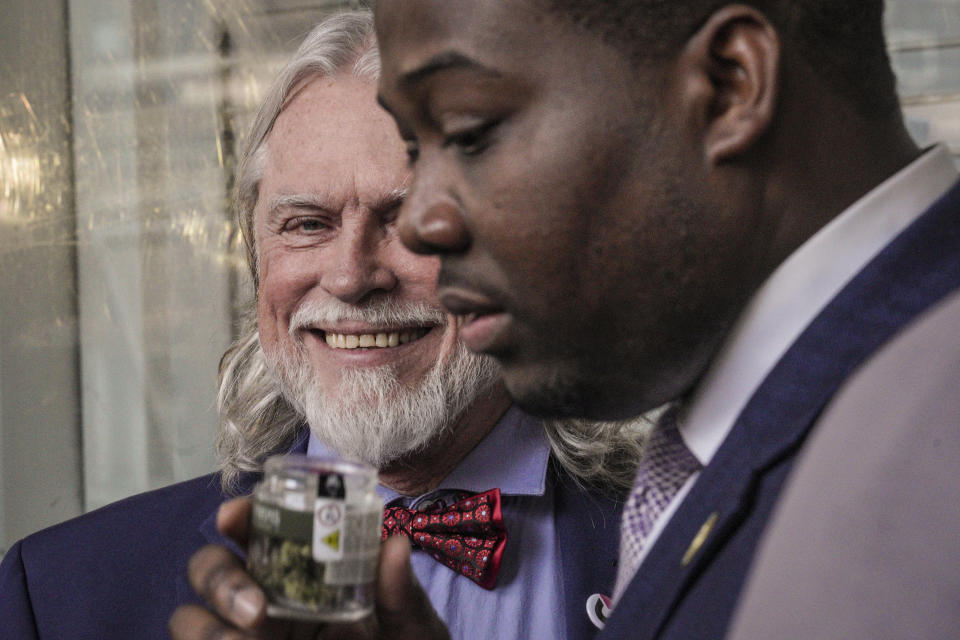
x=382, y=313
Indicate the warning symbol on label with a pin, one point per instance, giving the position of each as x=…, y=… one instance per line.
x=328, y=528
x=333, y=540
x=329, y=515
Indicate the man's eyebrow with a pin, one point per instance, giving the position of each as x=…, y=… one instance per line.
x=442, y=62
x=298, y=201
x=384, y=202
x=390, y=200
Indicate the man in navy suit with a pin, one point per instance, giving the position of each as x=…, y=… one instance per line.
x=639, y=202
x=350, y=339
x=710, y=204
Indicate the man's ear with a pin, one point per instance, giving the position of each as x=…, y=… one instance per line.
x=730, y=68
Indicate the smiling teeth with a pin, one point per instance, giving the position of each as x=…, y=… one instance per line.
x=373, y=340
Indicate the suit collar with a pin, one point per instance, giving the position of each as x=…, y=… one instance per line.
x=914, y=271
x=244, y=487
x=208, y=527
x=800, y=288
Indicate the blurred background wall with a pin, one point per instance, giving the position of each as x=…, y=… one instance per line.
x=121, y=267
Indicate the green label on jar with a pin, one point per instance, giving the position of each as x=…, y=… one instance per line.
x=276, y=521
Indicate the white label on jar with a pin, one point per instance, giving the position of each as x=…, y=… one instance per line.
x=328, y=534
x=360, y=545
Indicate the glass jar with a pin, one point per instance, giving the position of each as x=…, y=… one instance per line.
x=315, y=538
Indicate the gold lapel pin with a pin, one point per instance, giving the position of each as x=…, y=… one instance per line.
x=700, y=538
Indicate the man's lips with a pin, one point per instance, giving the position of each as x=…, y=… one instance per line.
x=463, y=303
x=484, y=323
x=485, y=333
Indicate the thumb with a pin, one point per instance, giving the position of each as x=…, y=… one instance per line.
x=403, y=609
x=233, y=516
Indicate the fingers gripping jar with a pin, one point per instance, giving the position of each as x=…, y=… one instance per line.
x=315, y=538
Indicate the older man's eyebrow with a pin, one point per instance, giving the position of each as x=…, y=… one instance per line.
x=385, y=202
x=390, y=200
x=285, y=205
x=299, y=201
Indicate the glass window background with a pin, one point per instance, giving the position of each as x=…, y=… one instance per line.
x=121, y=268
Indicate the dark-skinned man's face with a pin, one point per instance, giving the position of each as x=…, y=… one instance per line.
x=562, y=197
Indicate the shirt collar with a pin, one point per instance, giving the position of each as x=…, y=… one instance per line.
x=800, y=287
x=512, y=457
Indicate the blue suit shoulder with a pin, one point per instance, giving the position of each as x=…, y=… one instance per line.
x=685, y=590
x=118, y=571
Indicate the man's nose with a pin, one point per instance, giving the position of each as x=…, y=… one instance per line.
x=432, y=222
x=358, y=267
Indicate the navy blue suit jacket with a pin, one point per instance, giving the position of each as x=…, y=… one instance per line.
x=120, y=571
x=686, y=591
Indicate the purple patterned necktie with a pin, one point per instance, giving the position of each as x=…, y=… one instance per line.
x=665, y=466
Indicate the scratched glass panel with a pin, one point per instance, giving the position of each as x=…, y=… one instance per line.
x=161, y=92
x=121, y=270
x=39, y=403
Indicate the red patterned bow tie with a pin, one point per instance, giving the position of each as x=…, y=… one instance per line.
x=468, y=536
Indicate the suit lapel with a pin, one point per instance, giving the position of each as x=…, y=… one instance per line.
x=913, y=272
x=208, y=527
x=207, y=534
x=245, y=483
x=584, y=520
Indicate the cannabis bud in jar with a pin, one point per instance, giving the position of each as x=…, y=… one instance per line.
x=315, y=537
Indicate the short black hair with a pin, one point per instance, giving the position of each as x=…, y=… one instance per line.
x=842, y=40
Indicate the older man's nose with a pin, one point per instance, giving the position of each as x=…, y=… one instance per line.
x=357, y=271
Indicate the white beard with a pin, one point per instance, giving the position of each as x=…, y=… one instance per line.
x=372, y=416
